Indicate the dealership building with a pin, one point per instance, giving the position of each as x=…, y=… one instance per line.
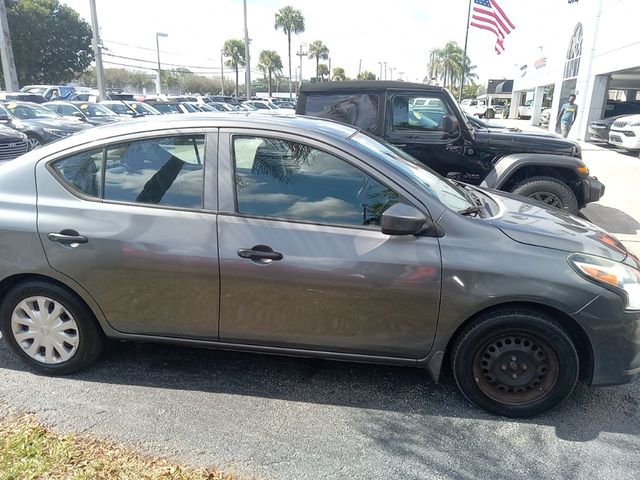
x=587, y=47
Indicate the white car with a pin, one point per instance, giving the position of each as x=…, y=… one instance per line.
x=625, y=132
x=477, y=108
x=265, y=106
x=526, y=111
x=545, y=117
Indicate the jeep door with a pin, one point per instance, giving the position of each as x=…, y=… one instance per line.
x=303, y=263
x=414, y=122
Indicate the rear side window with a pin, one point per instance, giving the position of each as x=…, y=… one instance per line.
x=160, y=171
x=359, y=110
x=82, y=172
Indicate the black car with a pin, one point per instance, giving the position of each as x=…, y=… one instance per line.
x=545, y=168
x=12, y=143
x=91, y=113
x=38, y=123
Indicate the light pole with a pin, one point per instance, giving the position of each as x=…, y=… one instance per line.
x=301, y=54
x=222, y=71
x=392, y=69
x=380, y=77
x=159, y=84
x=401, y=74
x=385, y=70
x=247, y=72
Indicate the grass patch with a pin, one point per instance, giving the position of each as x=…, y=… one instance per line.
x=29, y=451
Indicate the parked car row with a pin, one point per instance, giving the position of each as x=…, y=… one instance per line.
x=623, y=135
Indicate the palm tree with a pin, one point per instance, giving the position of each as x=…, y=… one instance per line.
x=323, y=71
x=366, y=75
x=290, y=21
x=338, y=74
x=318, y=50
x=447, y=63
x=270, y=62
x=234, y=49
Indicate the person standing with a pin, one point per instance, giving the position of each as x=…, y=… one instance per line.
x=567, y=115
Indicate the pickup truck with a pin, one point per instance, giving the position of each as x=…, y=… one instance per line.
x=426, y=122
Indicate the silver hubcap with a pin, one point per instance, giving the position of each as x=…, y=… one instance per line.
x=548, y=198
x=34, y=143
x=45, y=330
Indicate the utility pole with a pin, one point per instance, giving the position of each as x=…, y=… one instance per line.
x=159, y=79
x=359, y=68
x=247, y=72
x=391, y=69
x=380, y=77
x=301, y=54
x=6, y=53
x=464, y=59
x=401, y=74
x=97, y=51
x=222, y=71
x=329, y=68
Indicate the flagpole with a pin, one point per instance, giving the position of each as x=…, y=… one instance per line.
x=466, y=42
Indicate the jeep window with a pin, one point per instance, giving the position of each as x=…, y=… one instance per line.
x=409, y=115
x=359, y=110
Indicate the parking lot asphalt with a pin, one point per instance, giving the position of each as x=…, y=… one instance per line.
x=287, y=418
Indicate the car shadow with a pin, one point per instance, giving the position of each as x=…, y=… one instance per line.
x=378, y=389
x=610, y=219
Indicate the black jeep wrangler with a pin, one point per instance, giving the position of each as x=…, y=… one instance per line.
x=426, y=122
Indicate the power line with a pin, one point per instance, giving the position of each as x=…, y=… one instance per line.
x=163, y=63
x=119, y=64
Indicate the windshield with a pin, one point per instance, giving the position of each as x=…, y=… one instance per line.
x=450, y=195
x=142, y=108
x=26, y=111
x=93, y=110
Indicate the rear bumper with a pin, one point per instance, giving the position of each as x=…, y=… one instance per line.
x=614, y=335
x=592, y=190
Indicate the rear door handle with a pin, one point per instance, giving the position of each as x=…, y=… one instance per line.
x=67, y=237
x=259, y=253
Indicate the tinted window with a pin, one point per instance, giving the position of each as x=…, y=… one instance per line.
x=410, y=113
x=289, y=180
x=67, y=110
x=83, y=171
x=360, y=110
x=162, y=171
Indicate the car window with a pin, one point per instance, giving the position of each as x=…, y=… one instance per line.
x=408, y=115
x=359, y=110
x=83, y=171
x=67, y=110
x=292, y=181
x=167, y=108
x=26, y=111
x=161, y=171
x=119, y=108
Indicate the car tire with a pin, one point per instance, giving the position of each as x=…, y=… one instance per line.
x=68, y=340
x=489, y=114
x=34, y=141
x=550, y=191
x=542, y=376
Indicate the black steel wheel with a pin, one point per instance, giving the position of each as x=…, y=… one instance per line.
x=550, y=191
x=515, y=363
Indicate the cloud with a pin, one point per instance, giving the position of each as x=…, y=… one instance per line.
x=327, y=208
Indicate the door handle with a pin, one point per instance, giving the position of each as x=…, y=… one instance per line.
x=67, y=237
x=259, y=253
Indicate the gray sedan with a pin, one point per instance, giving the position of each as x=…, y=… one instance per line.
x=300, y=236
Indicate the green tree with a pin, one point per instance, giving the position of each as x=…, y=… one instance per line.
x=51, y=43
x=448, y=64
x=323, y=71
x=234, y=50
x=290, y=21
x=270, y=63
x=338, y=74
x=366, y=75
x=318, y=50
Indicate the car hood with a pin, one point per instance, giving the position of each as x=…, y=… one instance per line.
x=535, y=224
x=506, y=142
x=10, y=135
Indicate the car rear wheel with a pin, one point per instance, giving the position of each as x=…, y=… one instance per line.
x=49, y=328
x=550, y=191
x=489, y=114
x=515, y=363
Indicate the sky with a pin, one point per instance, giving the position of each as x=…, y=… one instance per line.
x=399, y=32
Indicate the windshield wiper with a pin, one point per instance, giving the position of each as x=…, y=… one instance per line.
x=472, y=210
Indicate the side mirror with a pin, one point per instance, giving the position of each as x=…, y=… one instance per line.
x=4, y=118
x=450, y=124
x=402, y=219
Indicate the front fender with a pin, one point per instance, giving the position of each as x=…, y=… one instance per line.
x=508, y=165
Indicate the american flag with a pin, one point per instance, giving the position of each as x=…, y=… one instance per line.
x=488, y=15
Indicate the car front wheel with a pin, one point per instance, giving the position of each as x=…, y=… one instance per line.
x=34, y=142
x=49, y=328
x=515, y=363
x=550, y=191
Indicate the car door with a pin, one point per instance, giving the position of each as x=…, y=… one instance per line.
x=419, y=131
x=303, y=262
x=126, y=221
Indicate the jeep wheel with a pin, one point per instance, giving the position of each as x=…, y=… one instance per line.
x=550, y=191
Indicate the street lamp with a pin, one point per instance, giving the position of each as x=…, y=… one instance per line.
x=158, y=85
x=392, y=69
x=222, y=71
x=380, y=63
x=385, y=70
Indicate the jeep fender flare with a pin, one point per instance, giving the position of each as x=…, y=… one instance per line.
x=508, y=165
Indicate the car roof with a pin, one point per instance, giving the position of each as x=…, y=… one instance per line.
x=355, y=85
x=309, y=126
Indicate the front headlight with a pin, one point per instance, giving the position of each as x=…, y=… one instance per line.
x=57, y=133
x=619, y=277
